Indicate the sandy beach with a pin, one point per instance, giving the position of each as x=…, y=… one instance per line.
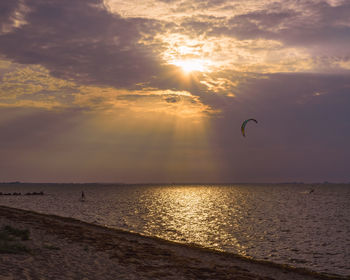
x=65, y=248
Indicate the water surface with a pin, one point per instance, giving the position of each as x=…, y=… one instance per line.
x=281, y=223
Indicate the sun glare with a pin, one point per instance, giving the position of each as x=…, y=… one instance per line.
x=192, y=65
x=187, y=53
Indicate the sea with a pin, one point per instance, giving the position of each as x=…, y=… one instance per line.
x=302, y=225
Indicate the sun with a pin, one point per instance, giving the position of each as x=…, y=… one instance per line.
x=191, y=65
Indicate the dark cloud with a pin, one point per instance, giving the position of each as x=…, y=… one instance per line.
x=81, y=40
x=320, y=23
x=7, y=14
x=172, y=99
x=168, y=98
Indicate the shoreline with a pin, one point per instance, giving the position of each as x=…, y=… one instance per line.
x=67, y=248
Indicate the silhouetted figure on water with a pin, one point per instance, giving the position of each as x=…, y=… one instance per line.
x=82, y=196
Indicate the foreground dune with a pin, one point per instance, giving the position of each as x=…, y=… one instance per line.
x=65, y=248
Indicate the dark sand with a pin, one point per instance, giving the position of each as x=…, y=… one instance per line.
x=65, y=248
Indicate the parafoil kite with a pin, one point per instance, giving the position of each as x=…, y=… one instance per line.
x=244, y=124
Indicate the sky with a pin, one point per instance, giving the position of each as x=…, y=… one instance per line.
x=147, y=91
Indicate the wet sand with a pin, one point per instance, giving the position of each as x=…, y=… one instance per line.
x=65, y=248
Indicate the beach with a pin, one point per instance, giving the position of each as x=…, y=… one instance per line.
x=66, y=248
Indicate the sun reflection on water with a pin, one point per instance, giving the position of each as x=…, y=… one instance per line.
x=193, y=213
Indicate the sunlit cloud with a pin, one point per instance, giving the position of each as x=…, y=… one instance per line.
x=33, y=86
x=180, y=104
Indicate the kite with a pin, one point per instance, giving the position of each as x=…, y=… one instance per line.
x=244, y=124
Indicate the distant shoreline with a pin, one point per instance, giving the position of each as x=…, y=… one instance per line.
x=169, y=184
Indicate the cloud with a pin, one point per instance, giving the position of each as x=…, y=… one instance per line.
x=283, y=36
x=81, y=40
x=84, y=42
x=306, y=24
x=12, y=15
x=172, y=99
